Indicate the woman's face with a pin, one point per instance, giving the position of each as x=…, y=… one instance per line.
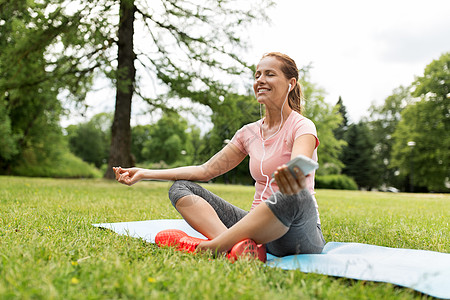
x=270, y=86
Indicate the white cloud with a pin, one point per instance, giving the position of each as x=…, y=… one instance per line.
x=360, y=50
x=415, y=44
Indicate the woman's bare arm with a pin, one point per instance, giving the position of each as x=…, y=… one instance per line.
x=226, y=159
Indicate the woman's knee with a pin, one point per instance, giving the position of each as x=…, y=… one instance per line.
x=291, y=207
x=304, y=240
x=178, y=190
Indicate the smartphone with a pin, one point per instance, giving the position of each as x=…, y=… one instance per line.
x=304, y=163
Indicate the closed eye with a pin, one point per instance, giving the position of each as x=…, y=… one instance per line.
x=257, y=75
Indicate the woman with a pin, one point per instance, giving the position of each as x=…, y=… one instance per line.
x=287, y=222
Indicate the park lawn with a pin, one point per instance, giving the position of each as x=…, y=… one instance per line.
x=50, y=250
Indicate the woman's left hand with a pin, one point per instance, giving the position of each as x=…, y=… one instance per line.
x=287, y=183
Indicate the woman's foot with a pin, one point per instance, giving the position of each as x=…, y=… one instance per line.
x=177, y=238
x=247, y=248
x=183, y=242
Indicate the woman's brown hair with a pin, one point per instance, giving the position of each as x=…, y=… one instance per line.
x=290, y=70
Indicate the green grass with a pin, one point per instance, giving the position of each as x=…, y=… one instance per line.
x=49, y=250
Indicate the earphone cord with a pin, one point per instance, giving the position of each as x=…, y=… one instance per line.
x=268, y=180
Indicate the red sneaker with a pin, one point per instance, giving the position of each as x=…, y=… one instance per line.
x=177, y=238
x=262, y=254
x=247, y=248
x=169, y=237
x=189, y=243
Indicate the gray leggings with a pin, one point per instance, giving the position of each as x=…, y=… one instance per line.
x=297, y=212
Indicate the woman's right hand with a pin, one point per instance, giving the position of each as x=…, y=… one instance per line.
x=287, y=183
x=128, y=176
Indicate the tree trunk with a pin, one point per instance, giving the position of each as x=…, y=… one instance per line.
x=120, y=151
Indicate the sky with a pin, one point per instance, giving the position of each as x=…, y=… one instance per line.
x=359, y=50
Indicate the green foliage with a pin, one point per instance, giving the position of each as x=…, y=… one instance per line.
x=382, y=123
x=35, y=120
x=168, y=142
x=427, y=123
x=8, y=146
x=339, y=131
x=336, y=181
x=50, y=250
x=139, y=135
x=199, y=47
x=435, y=82
x=195, y=146
x=59, y=46
x=229, y=116
x=90, y=141
x=163, y=141
x=34, y=29
x=30, y=123
x=327, y=119
x=358, y=157
x=428, y=160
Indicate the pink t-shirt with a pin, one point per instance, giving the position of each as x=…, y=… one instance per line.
x=276, y=151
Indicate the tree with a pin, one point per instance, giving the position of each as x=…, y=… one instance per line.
x=195, y=146
x=90, y=140
x=382, y=123
x=120, y=150
x=339, y=132
x=233, y=112
x=8, y=147
x=184, y=78
x=327, y=119
x=358, y=156
x=188, y=48
x=139, y=135
x=229, y=116
x=166, y=139
x=29, y=107
x=427, y=124
x=188, y=152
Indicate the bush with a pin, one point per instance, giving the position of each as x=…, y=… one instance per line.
x=336, y=182
x=66, y=165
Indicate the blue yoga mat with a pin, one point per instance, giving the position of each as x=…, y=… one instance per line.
x=424, y=271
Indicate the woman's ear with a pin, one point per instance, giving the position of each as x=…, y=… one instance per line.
x=293, y=83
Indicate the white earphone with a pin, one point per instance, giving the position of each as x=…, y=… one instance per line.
x=268, y=180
